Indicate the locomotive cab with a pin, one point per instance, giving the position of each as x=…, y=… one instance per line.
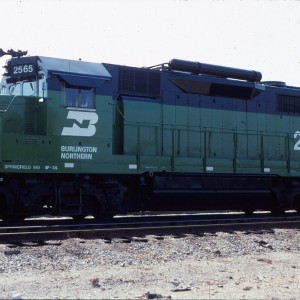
x=49, y=109
x=23, y=90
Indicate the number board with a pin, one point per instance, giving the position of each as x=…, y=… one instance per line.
x=23, y=70
x=26, y=66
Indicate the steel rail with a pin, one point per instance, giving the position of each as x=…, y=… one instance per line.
x=128, y=226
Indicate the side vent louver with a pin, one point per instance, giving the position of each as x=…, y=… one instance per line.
x=30, y=140
x=139, y=82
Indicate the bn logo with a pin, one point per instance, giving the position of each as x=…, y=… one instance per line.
x=84, y=124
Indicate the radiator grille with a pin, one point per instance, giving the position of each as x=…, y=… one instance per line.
x=288, y=104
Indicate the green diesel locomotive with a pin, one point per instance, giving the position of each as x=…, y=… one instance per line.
x=80, y=138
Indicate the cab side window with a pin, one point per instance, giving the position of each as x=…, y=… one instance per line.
x=87, y=98
x=81, y=97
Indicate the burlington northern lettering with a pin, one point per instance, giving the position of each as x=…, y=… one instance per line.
x=77, y=152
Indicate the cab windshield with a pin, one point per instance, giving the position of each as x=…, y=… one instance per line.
x=25, y=87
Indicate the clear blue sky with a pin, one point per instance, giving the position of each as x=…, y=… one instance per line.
x=251, y=34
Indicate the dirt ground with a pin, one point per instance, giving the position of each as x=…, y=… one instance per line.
x=236, y=265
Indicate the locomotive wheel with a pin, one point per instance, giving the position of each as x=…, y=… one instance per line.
x=78, y=218
x=277, y=211
x=48, y=204
x=3, y=210
x=103, y=217
x=297, y=206
x=13, y=219
x=276, y=208
x=99, y=212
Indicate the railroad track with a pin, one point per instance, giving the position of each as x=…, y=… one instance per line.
x=142, y=225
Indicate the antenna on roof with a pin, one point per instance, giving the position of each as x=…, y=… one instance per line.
x=12, y=52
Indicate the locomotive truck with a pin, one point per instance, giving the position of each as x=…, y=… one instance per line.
x=80, y=138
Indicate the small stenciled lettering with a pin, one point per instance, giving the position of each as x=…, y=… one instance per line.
x=17, y=167
x=54, y=168
x=22, y=167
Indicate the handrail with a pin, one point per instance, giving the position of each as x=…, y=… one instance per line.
x=11, y=101
x=14, y=97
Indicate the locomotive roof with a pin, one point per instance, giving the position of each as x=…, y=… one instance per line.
x=68, y=67
x=74, y=72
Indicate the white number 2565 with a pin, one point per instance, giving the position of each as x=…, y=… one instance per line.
x=23, y=69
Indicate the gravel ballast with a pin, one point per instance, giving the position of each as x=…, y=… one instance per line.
x=236, y=265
